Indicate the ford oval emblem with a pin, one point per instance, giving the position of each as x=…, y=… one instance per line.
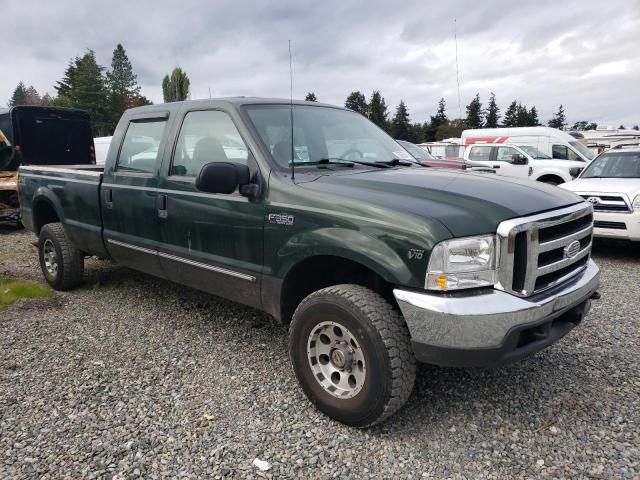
x=571, y=250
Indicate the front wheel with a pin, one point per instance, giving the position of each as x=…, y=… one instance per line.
x=351, y=353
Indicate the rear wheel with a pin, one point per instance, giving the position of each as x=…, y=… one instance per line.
x=351, y=353
x=61, y=262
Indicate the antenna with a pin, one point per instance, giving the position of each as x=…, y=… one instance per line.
x=293, y=177
x=455, y=37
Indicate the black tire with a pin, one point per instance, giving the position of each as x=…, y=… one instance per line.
x=383, y=340
x=69, y=261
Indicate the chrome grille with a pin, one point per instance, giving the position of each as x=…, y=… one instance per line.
x=544, y=250
x=605, y=202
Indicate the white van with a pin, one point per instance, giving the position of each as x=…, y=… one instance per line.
x=554, y=143
x=522, y=161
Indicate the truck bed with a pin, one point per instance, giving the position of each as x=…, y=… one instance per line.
x=75, y=192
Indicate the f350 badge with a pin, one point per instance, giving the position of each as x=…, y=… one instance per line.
x=281, y=219
x=416, y=254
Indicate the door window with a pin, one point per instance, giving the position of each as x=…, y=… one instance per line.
x=207, y=136
x=480, y=154
x=561, y=152
x=141, y=145
x=505, y=154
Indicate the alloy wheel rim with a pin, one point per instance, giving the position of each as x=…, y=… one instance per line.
x=50, y=257
x=336, y=359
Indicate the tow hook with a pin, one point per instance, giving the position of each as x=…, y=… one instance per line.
x=595, y=296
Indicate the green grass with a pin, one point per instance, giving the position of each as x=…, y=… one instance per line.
x=11, y=290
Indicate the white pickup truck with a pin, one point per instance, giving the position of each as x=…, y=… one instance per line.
x=522, y=161
x=611, y=183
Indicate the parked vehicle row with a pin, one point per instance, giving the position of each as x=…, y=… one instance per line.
x=373, y=261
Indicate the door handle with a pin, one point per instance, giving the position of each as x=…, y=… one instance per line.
x=496, y=166
x=162, y=205
x=108, y=198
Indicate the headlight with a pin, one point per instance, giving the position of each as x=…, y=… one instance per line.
x=636, y=203
x=463, y=263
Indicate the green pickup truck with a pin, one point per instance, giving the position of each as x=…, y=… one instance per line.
x=312, y=214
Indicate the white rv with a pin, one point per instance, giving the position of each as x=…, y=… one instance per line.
x=554, y=143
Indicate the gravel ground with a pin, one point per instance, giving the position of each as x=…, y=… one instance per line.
x=130, y=376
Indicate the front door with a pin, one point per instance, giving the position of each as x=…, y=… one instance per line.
x=129, y=196
x=503, y=162
x=212, y=242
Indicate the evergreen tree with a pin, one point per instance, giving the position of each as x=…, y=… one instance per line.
x=592, y=126
x=440, y=118
x=124, y=91
x=522, y=116
x=311, y=97
x=621, y=127
x=357, y=102
x=451, y=128
x=89, y=92
x=579, y=126
x=46, y=100
x=19, y=96
x=400, y=124
x=493, y=113
x=33, y=97
x=175, y=88
x=415, y=133
x=64, y=87
x=378, y=110
x=511, y=115
x=534, y=121
x=474, y=113
x=559, y=119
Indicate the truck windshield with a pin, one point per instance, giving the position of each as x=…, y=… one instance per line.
x=582, y=150
x=614, y=165
x=533, y=152
x=322, y=133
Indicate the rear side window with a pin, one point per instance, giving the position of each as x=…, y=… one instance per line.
x=207, y=136
x=141, y=145
x=480, y=153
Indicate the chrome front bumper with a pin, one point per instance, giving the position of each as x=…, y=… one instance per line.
x=484, y=320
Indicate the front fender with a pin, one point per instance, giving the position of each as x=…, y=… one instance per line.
x=384, y=258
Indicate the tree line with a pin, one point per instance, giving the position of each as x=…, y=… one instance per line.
x=104, y=93
x=440, y=126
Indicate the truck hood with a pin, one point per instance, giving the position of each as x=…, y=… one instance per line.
x=628, y=186
x=465, y=203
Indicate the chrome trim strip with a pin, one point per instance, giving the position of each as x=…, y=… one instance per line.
x=622, y=196
x=564, y=241
x=565, y=262
x=230, y=197
x=132, y=247
x=175, y=258
x=205, y=266
x=62, y=179
x=79, y=171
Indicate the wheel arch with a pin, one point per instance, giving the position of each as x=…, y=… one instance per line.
x=45, y=208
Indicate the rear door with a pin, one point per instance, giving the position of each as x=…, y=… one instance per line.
x=210, y=241
x=129, y=194
x=480, y=155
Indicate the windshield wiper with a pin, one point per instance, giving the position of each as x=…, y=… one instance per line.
x=325, y=161
x=396, y=161
x=352, y=162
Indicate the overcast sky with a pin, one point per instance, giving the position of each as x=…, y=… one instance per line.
x=584, y=54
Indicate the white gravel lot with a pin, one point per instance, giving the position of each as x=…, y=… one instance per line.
x=130, y=376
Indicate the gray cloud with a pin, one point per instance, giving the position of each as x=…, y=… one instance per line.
x=583, y=54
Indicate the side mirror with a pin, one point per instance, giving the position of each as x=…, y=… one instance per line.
x=575, y=171
x=225, y=177
x=518, y=159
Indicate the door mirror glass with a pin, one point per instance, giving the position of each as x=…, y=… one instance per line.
x=222, y=177
x=518, y=159
x=575, y=171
